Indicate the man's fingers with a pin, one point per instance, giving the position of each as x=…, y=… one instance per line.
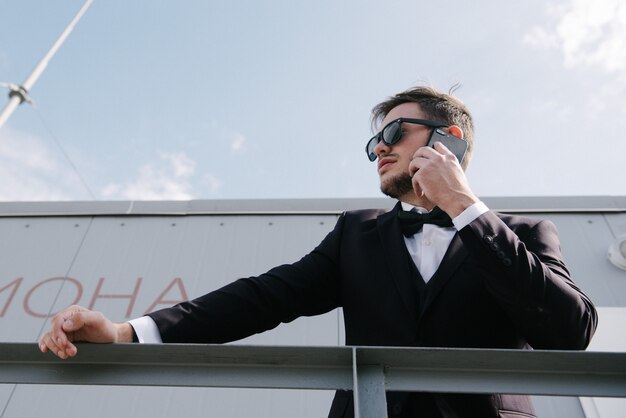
x=60, y=333
x=74, y=323
x=59, y=340
x=416, y=185
x=414, y=167
x=42, y=344
x=48, y=343
x=70, y=321
x=71, y=350
x=426, y=152
x=440, y=147
x=443, y=150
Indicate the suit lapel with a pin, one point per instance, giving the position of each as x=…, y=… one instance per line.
x=397, y=258
x=454, y=256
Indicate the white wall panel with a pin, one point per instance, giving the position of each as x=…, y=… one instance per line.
x=148, y=254
x=35, y=256
x=585, y=240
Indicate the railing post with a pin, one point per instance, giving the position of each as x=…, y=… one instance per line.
x=370, y=400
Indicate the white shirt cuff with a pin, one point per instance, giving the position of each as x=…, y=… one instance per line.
x=146, y=330
x=468, y=215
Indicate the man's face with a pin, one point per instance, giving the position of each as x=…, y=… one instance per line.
x=393, y=160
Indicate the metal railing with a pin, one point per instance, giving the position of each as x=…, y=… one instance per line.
x=368, y=371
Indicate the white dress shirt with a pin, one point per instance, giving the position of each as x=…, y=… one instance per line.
x=426, y=248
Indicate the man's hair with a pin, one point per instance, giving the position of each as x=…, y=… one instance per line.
x=435, y=105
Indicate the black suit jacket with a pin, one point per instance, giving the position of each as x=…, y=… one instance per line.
x=501, y=284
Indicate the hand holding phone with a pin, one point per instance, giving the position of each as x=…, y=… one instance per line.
x=455, y=144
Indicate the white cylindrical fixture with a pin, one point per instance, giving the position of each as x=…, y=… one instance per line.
x=17, y=98
x=617, y=252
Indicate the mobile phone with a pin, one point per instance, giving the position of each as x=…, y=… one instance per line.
x=455, y=144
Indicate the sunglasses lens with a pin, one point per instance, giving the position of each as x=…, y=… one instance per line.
x=369, y=149
x=392, y=133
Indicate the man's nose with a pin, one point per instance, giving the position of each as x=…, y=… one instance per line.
x=381, y=148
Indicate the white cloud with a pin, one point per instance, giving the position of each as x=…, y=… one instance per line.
x=182, y=165
x=30, y=171
x=213, y=183
x=541, y=38
x=167, y=179
x=238, y=143
x=588, y=34
x=217, y=133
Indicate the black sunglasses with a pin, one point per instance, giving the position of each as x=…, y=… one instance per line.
x=392, y=133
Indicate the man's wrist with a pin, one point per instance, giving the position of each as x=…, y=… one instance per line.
x=124, y=332
x=469, y=215
x=459, y=205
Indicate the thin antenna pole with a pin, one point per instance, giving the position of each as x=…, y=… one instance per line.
x=19, y=94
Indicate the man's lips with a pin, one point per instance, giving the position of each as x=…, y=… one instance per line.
x=385, y=161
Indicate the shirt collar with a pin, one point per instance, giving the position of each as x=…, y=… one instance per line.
x=409, y=207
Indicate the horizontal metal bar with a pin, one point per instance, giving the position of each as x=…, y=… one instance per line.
x=184, y=354
x=325, y=206
x=186, y=365
x=405, y=369
x=512, y=361
x=179, y=376
x=535, y=383
x=567, y=373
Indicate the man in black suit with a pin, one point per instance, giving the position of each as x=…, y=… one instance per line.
x=459, y=276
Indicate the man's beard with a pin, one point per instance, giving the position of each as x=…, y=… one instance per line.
x=398, y=186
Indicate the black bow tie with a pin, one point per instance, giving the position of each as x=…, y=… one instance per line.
x=412, y=222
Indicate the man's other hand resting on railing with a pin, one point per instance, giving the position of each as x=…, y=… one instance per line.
x=75, y=324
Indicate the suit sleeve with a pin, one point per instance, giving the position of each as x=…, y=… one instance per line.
x=256, y=304
x=524, y=271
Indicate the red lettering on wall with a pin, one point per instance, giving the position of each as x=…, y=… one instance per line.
x=132, y=296
x=66, y=279
x=16, y=284
x=38, y=294
x=160, y=301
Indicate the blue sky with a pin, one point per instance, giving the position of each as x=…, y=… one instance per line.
x=211, y=100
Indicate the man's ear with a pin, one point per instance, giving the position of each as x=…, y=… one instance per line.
x=455, y=130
